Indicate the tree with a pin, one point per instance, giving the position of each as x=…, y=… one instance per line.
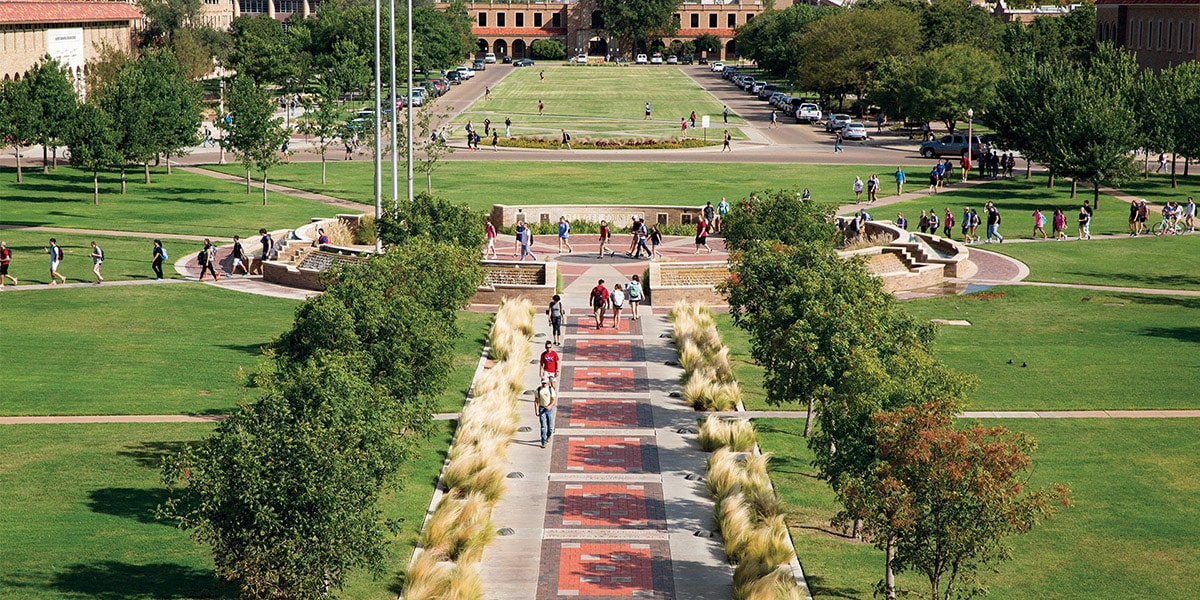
x=93, y=143
x=286, y=490
x=779, y=216
x=165, y=17
x=433, y=218
x=1163, y=122
x=430, y=144
x=956, y=22
x=638, y=21
x=261, y=49
x=174, y=104
x=52, y=92
x=323, y=121
x=770, y=39
x=942, y=501
x=18, y=117
x=254, y=134
x=707, y=42
x=834, y=63
x=194, y=55
x=941, y=84
x=127, y=104
x=349, y=69
x=548, y=49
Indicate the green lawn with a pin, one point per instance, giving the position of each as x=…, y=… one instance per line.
x=179, y=203
x=158, y=349
x=467, y=349
x=598, y=103
x=1132, y=531
x=1169, y=262
x=1085, y=351
x=76, y=518
x=516, y=183
x=1015, y=198
x=124, y=257
x=1157, y=187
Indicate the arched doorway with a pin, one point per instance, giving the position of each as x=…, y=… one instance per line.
x=518, y=48
x=730, y=50
x=483, y=46
x=500, y=48
x=597, y=47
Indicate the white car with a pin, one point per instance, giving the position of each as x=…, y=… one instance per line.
x=656, y=59
x=581, y=59
x=854, y=131
x=836, y=122
x=641, y=59
x=672, y=60
x=490, y=58
x=466, y=72
x=716, y=67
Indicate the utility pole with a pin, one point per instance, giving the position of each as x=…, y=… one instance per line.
x=378, y=134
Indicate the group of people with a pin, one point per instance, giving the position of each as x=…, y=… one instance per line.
x=602, y=301
x=929, y=222
x=1174, y=216
x=872, y=189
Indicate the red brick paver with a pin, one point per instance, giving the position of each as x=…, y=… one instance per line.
x=605, y=350
x=606, y=506
x=587, y=326
x=590, y=571
x=604, y=379
x=601, y=413
x=582, y=454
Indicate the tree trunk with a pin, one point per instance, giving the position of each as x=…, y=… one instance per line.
x=889, y=575
x=247, y=181
x=168, y=156
x=1050, y=181
x=1074, y=187
x=18, y=153
x=95, y=187
x=146, y=168
x=1146, y=165
x=123, y=189
x=856, y=529
x=429, y=181
x=1028, y=169
x=1174, y=182
x=264, y=188
x=808, y=418
x=1095, y=195
x=322, y=167
x=1186, y=161
x=54, y=157
x=45, y=159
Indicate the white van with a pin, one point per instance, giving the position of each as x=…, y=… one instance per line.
x=641, y=59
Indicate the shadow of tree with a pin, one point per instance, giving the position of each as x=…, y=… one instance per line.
x=112, y=580
x=151, y=454
x=130, y=503
x=1181, y=333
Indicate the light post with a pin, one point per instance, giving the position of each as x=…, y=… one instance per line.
x=394, y=96
x=287, y=105
x=970, y=138
x=409, y=115
x=378, y=130
x=221, y=119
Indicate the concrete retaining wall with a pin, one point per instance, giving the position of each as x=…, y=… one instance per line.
x=503, y=215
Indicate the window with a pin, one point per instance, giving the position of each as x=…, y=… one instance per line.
x=289, y=6
x=1158, y=36
x=500, y=19
x=695, y=20
x=731, y=20
x=712, y=20
x=483, y=19
x=537, y=19
x=676, y=21
x=520, y=17
x=253, y=6
x=749, y=17
x=556, y=19
x=1191, y=37
x=1170, y=35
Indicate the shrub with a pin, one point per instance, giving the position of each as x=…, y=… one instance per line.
x=779, y=584
x=427, y=576
x=724, y=472
x=465, y=583
x=474, y=532
x=364, y=234
x=607, y=143
x=339, y=234
x=548, y=49
x=736, y=524
x=737, y=434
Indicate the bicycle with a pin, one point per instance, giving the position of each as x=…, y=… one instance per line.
x=1166, y=227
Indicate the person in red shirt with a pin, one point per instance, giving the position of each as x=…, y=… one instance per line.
x=599, y=301
x=702, y=235
x=549, y=365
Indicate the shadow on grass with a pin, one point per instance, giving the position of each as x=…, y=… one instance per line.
x=1184, y=302
x=1143, y=280
x=130, y=503
x=251, y=349
x=112, y=580
x=816, y=585
x=1181, y=333
x=151, y=454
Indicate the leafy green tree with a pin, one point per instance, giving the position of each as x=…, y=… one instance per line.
x=193, y=52
x=348, y=70
x=633, y=22
x=433, y=218
x=166, y=17
x=941, y=84
x=18, y=117
x=707, y=43
x=943, y=501
x=548, y=49
x=834, y=63
x=52, y=92
x=253, y=133
x=103, y=70
x=429, y=145
x=323, y=120
x=93, y=143
x=174, y=102
x=777, y=216
x=770, y=39
x=1164, y=121
x=261, y=49
x=127, y=104
x=286, y=491
x=956, y=22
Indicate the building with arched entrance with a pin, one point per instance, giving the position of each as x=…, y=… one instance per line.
x=508, y=29
x=73, y=33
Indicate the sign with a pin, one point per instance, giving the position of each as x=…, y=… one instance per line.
x=66, y=46
x=704, y=121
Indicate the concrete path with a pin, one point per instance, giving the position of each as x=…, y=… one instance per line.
x=607, y=509
x=999, y=414
x=77, y=419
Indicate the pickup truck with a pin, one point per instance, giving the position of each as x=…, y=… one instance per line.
x=808, y=113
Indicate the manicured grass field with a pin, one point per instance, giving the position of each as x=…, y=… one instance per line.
x=1084, y=350
x=483, y=184
x=76, y=515
x=178, y=203
x=156, y=349
x=1157, y=188
x=467, y=350
x=1016, y=199
x=1169, y=262
x=591, y=102
x=1131, y=532
x=125, y=258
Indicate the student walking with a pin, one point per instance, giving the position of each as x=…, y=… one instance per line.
x=5, y=260
x=547, y=400
x=725, y=113
x=993, y=223
x=726, y=146
x=489, y=233
x=526, y=236
x=655, y=242
x=774, y=120
x=633, y=290
x=692, y=119
x=617, y=299
x=872, y=188
x=268, y=244
x=599, y=302
x=495, y=140
x=858, y=189
x=899, y=174
x=566, y=140
x=837, y=143
x=157, y=259
x=548, y=364
x=507, y=127
x=948, y=223
x=207, y=259
x=239, y=254
x=1039, y=223
x=1085, y=221
x=541, y=107
x=564, y=235
x=555, y=314
x=1059, y=223
x=56, y=256
x=647, y=112
x=605, y=235
x=702, y=235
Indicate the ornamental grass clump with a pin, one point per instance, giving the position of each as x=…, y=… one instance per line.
x=427, y=576
x=737, y=434
x=708, y=381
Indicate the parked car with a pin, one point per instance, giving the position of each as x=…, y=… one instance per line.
x=523, y=62
x=641, y=59
x=440, y=86
x=656, y=58
x=808, y=113
x=506, y=59
x=854, y=131
x=479, y=65
x=836, y=122
x=686, y=59
x=757, y=87
x=766, y=90
x=716, y=67
x=952, y=145
x=454, y=77
x=489, y=58
x=672, y=60
x=466, y=72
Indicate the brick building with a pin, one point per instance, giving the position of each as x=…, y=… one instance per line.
x=219, y=13
x=72, y=32
x=508, y=28
x=1161, y=33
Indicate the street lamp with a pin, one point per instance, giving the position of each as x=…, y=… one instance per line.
x=970, y=139
x=221, y=119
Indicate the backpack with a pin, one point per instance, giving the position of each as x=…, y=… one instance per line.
x=163, y=249
x=59, y=252
x=597, y=297
x=634, y=291
x=202, y=258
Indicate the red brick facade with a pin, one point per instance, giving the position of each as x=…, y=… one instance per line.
x=1161, y=33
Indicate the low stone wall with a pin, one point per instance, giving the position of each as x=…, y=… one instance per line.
x=669, y=283
x=904, y=264
x=534, y=281
x=503, y=215
x=305, y=272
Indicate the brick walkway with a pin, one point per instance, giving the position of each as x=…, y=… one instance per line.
x=606, y=510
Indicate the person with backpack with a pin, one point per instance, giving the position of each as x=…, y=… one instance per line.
x=207, y=258
x=547, y=398
x=599, y=302
x=702, y=235
x=640, y=236
x=633, y=289
x=239, y=255
x=56, y=256
x=555, y=313
x=97, y=256
x=268, y=244
x=5, y=260
x=655, y=241
x=617, y=299
x=525, y=235
x=157, y=259
x=566, y=140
